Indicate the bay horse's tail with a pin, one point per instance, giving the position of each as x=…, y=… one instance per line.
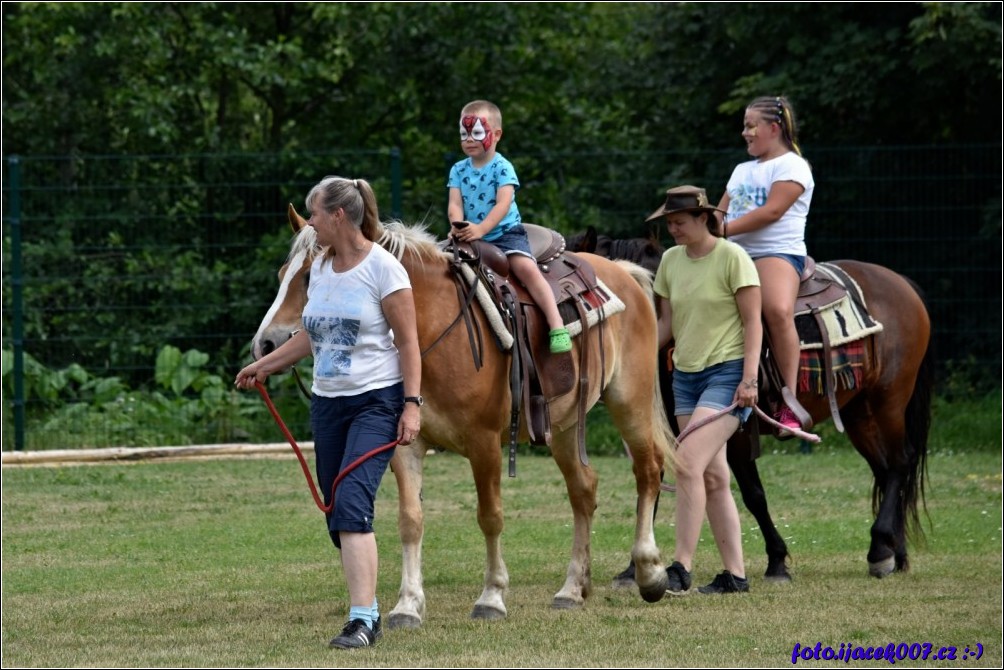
x=918, y=427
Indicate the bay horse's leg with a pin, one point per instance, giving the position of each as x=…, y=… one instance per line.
x=486, y=465
x=747, y=477
x=887, y=552
x=407, y=466
x=580, y=482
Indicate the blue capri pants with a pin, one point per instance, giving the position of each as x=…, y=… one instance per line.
x=713, y=387
x=345, y=428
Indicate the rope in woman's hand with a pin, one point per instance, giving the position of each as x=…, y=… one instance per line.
x=797, y=432
x=303, y=462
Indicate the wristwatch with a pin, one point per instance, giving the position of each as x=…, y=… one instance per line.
x=417, y=399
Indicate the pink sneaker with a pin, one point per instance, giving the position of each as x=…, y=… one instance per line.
x=788, y=419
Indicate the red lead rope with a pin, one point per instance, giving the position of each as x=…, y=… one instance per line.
x=303, y=463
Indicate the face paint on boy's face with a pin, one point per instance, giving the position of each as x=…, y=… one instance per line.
x=476, y=128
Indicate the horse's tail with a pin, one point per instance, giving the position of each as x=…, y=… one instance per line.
x=640, y=274
x=662, y=432
x=918, y=428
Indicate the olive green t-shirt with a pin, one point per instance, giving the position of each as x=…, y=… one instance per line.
x=707, y=325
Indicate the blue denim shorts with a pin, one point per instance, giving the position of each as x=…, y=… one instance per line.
x=514, y=241
x=713, y=387
x=797, y=262
x=345, y=429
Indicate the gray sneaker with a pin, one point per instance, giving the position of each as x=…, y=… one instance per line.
x=355, y=634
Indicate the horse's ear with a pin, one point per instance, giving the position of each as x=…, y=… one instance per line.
x=589, y=244
x=296, y=222
x=653, y=238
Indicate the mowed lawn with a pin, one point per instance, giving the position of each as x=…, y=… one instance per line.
x=226, y=563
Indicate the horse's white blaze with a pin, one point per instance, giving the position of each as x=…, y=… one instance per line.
x=280, y=297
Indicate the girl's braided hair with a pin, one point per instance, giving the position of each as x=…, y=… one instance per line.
x=778, y=110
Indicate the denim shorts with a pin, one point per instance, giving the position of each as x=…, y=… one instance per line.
x=797, y=262
x=514, y=241
x=713, y=387
x=345, y=429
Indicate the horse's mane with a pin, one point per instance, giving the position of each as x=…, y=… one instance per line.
x=645, y=251
x=395, y=236
x=305, y=242
x=398, y=237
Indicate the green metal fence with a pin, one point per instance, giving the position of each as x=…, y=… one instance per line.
x=107, y=259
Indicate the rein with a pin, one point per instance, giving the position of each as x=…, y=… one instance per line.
x=303, y=463
x=808, y=437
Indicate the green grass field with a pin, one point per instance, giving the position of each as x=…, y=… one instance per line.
x=227, y=563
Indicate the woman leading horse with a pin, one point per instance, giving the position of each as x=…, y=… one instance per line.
x=887, y=415
x=467, y=410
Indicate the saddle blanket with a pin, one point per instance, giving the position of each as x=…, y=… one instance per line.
x=848, y=365
x=594, y=313
x=846, y=320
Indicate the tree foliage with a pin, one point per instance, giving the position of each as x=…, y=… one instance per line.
x=294, y=91
x=151, y=78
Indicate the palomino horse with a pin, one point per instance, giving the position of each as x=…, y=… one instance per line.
x=468, y=411
x=887, y=417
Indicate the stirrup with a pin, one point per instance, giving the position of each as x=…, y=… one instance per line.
x=796, y=408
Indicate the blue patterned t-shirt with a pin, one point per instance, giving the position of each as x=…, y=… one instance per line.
x=478, y=187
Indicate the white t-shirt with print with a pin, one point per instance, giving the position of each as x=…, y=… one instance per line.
x=748, y=188
x=350, y=338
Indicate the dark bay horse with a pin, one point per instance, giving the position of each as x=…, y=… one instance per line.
x=468, y=411
x=644, y=251
x=887, y=418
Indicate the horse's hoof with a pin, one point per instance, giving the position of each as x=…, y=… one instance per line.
x=655, y=592
x=403, y=621
x=565, y=604
x=486, y=613
x=652, y=595
x=777, y=574
x=882, y=568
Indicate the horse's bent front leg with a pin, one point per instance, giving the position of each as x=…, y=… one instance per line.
x=580, y=482
x=486, y=466
x=407, y=466
x=650, y=574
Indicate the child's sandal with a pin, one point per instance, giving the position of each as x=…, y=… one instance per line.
x=561, y=341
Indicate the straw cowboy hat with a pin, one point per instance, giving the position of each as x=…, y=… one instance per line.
x=684, y=199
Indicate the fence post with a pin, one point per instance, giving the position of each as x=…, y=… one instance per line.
x=395, y=183
x=17, y=297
